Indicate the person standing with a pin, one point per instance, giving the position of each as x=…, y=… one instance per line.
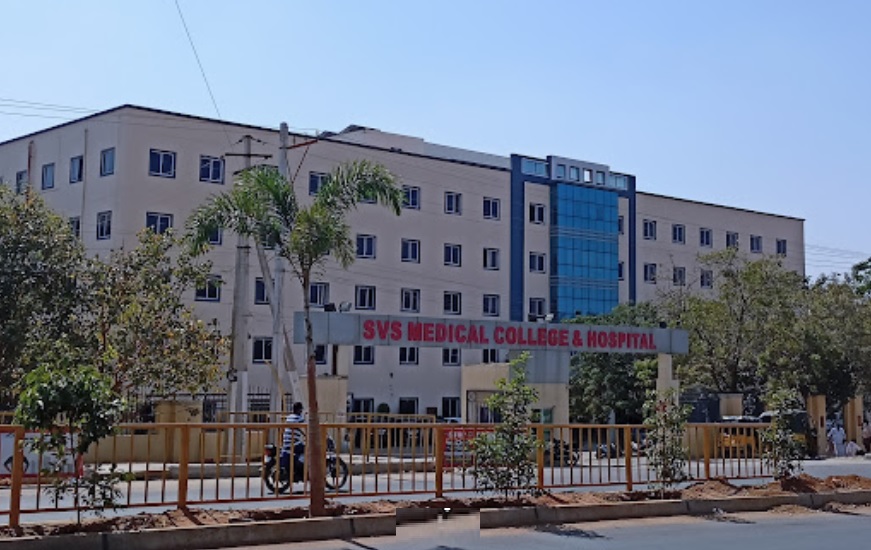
x=838, y=437
x=866, y=436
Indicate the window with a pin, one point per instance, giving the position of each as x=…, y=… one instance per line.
x=451, y=357
x=211, y=292
x=679, y=276
x=491, y=305
x=491, y=259
x=574, y=173
x=453, y=303
x=107, y=162
x=756, y=243
x=706, y=237
x=364, y=355
x=365, y=296
x=620, y=224
x=157, y=222
x=76, y=226
x=588, y=175
x=536, y=213
x=211, y=169
x=600, y=178
x=620, y=275
x=20, y=181
x=408, y=405
x=561, y=171
x=533, y=167
x=260, y=296
x=161, y=163
x=453, y=203
x=490, y=355
x=216, y=237
x=650, y=230
x=491, y=208
x=411, y=250
x=320, y=354
x=451, y=407
x=678, y=233
x=731, y=239
x=410, y=298
x=48, y=176
x=650, y=273
x=366, y=246
x=319, y=294
x=781, y=247
x=707, y=279
x=104, y=225
x=408, y=356
x=316, y=180
x=77, y=169
x=536, y=307
x=262, y=351
x=411, y=197
x=453, y=255
x=536, y=262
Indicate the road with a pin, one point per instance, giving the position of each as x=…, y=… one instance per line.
x=456, y=484
x=770, y=530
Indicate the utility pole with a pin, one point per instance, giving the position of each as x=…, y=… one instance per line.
x=238, y=373
x=278, y=350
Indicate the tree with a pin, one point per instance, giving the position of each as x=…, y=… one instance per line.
x=39, y=259
x=603, y=382
x=138, y=328
x=74, y=406
x=781, y=451
x=504, y=459
x=745, y=330
x=264, y=206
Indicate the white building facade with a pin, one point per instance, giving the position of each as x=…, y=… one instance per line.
x=481, y=236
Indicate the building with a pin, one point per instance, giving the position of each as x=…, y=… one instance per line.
x=481, y=236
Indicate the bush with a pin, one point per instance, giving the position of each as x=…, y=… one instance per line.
x=505, y=458
x=666, y=424
x=781, y=451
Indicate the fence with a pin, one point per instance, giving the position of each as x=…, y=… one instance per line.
x=181, y=465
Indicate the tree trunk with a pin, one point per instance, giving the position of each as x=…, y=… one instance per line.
x=314, y=449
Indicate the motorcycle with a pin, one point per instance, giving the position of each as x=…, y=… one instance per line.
x=561, y=453
x=336, y=468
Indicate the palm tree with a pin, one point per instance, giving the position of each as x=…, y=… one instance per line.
x=263, y=205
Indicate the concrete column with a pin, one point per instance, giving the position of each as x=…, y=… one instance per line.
x=664, y=374
x=731, y=404
x=816, y=410
x=853, y=416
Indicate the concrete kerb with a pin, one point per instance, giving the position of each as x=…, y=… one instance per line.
x=492, y=518
x=216, y=536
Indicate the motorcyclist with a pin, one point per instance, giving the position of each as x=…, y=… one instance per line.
x=294, y=438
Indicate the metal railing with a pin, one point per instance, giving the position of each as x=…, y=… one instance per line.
x=192, y=464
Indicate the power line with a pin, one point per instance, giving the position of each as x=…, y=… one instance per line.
x=202, y=70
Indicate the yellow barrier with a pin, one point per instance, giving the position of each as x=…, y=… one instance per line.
x=192, y=464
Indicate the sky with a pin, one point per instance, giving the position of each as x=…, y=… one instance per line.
x=759, y=104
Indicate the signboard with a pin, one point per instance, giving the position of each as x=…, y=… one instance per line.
x=385, y=330
x=31, y=457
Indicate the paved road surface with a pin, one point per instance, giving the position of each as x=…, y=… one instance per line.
x=769, y=531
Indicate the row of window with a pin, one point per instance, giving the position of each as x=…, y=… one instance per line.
x=156, y=221
x=365, y=355
x=706, y=237
x=574, y=174
x=76, y=171
x=678, y=275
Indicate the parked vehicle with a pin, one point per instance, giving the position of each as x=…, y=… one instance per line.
x=561, y=453
x=336, y=468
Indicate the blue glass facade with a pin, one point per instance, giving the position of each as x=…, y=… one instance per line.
x=583, y=230
x=583, y=250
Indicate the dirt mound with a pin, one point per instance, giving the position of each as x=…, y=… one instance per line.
x=792, y=510
x=711, y=489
